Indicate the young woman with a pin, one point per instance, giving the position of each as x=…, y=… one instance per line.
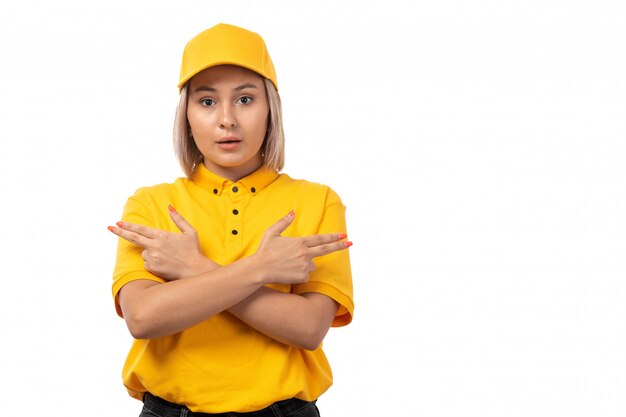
x=230, y=278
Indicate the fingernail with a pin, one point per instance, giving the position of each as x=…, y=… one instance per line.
x=342, y=235
x=111, y=228
x=171, y=209
x=292, y=213
x=347, y=243
x=119, y=224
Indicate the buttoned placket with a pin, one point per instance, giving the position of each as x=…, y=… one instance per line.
x=238, y=196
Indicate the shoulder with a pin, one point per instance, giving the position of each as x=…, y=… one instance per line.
x=160, y=192
x=308, y=189
x=148, y=205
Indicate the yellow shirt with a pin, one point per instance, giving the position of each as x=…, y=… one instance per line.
x=223, y=364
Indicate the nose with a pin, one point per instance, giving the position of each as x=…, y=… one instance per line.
x=228, y=119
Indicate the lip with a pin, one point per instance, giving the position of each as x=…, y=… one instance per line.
x=228, y=142
x=228, y=139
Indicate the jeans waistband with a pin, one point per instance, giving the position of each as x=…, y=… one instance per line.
x=167, y=409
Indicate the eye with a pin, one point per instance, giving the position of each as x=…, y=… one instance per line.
x=207, y=102
x=245, y=100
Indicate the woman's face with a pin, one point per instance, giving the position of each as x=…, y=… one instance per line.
x=227, y=110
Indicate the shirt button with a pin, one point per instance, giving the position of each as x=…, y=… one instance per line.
x=235, y=232
x=235, y=189
x=235, y=212
x=215, y=191
x=253, y=190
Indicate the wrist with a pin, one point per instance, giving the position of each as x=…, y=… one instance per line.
x=257, y=270
x=201, y=265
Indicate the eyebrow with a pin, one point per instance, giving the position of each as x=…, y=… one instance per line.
x=244, y=86
x=213, y=90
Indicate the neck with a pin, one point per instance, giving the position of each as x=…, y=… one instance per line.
x=233, y=174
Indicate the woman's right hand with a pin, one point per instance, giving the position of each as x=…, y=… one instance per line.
x=288, y=260
x=168, y=255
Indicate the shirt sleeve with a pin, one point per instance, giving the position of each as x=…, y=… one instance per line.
x=332, y=275
x=129, y=263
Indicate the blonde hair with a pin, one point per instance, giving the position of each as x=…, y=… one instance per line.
x=272, y=149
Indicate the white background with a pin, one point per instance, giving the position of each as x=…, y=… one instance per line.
x=479, y=146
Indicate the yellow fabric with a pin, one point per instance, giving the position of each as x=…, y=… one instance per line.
x=223, y=364
x=226, y=44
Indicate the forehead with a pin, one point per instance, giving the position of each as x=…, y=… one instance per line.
x=225, y=74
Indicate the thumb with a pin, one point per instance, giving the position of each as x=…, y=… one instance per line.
x=282, y=224
x=180, y=221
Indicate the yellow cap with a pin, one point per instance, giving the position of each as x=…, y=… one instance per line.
x=226, y=44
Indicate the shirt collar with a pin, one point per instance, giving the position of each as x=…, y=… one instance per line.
x=254, y=182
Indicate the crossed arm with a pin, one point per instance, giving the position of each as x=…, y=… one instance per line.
x=197, y=288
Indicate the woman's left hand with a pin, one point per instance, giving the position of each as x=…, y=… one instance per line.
x=168, y=255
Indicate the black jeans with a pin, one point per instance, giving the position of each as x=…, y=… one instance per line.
x=158, y=407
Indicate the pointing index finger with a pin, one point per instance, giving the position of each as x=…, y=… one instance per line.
x=132, y=237
x=316, y=240
x=144, y=231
